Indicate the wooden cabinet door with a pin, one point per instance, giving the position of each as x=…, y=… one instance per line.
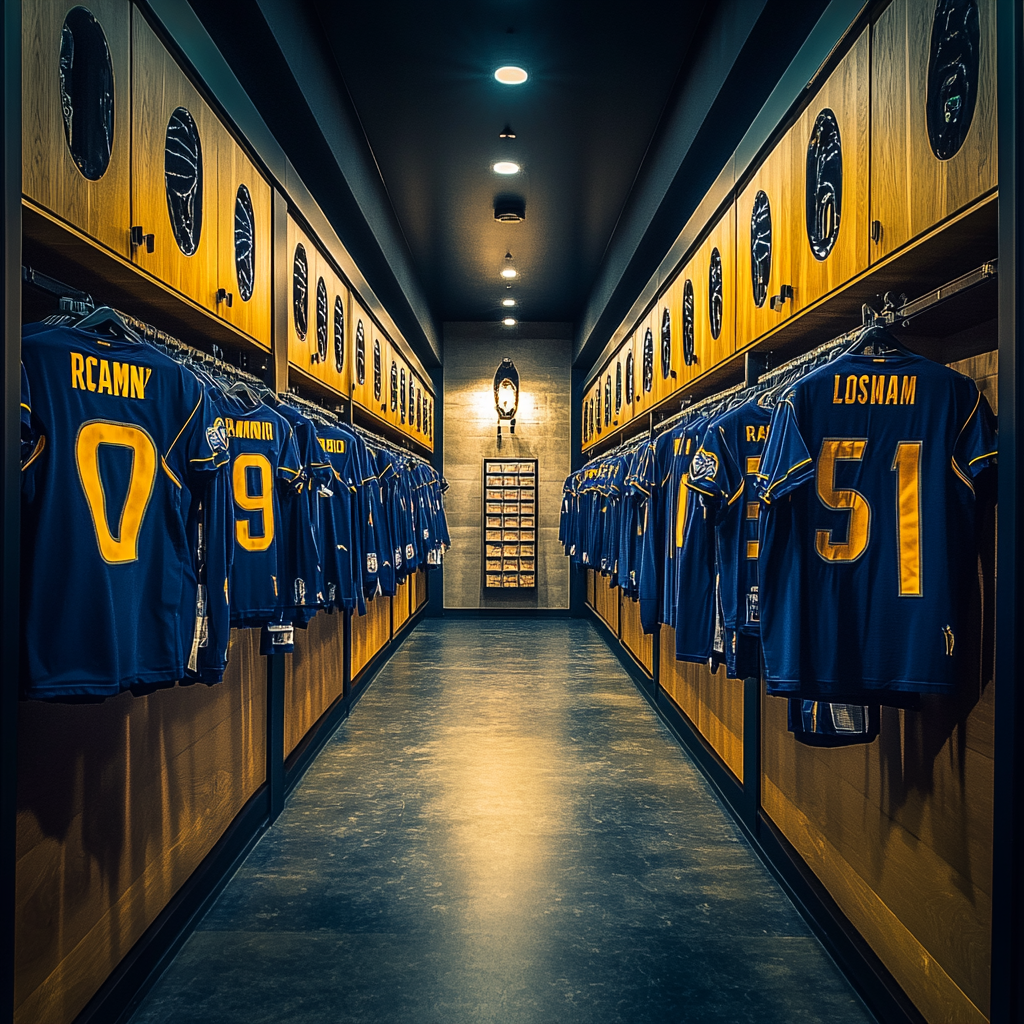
x=646, y=359
x=765, y=246
x=671, y=303
x=76, y=159
x=912, y=187
x=175, y=139
x=829, y=225
x=622, y=411
x=301, y=276
x=244, y=234
x=712, y=272
x=360, y=330
x=396, y=364
x=379, y=354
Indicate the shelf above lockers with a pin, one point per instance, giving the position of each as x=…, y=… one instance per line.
x=396, y=434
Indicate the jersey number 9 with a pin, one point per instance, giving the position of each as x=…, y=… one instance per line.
x=247, y=470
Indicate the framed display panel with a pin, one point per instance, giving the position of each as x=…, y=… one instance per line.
x=712, y=273
x=829, y=145
x=765, y=245
x=933, y=116
x=509, y=544
x=244, y=240
x=76, y=115
x=175, y=139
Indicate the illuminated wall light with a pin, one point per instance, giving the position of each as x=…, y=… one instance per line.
x=505, y=167
x=509, y=321
x=508, y=302
x=509, y=273
x=511, y=75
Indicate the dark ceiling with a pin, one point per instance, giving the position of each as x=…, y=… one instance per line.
x=421, y=81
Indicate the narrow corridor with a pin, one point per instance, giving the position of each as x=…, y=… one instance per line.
x=502, y=831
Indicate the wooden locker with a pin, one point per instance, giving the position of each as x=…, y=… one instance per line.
x=179, y=180
x=714, y=294
x=90, y=189
x=840, y=229
x=245, y=240
x=644, y=356
x=669, y=350
x=912, y=188
x=606, y=386
x=360, y=348
x=395, y=363
x=622, y=410
x=326, y=336
x=765, y=246
x=585, y=438
x=416, y=422
x=377, y=355
x=630, y=384
x=302, y=271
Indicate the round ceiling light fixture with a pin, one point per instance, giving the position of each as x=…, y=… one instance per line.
x=505, y=167
x=508, y=302
x=509, y=321
x=509, y=273
x=511, y=75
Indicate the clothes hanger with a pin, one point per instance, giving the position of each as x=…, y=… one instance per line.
x=105, y=320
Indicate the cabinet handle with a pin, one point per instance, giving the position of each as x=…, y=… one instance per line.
x=778, y=301
x=876, y=231
x=139, y=239
x=224, y=296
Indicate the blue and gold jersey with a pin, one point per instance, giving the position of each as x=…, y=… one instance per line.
x=724, y=470
x=125, y=442
x=868, y=553
x=265, y=469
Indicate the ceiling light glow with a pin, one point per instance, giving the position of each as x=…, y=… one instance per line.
x=509, y=321
x=508, y=302
x=510, y=75
x=509, y=272
x=506, y=167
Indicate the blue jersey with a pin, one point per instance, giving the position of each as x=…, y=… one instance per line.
x=340, y=515
x=724, y=470
x=126, y=443
x=265, y=469
x=867, y=556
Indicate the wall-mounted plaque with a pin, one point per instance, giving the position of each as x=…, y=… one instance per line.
x=508, y=565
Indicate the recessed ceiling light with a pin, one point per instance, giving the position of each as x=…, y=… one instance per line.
x=510, y=75
x=509, y=321
x=505, y=167
x=509, y=272
x=508, y=302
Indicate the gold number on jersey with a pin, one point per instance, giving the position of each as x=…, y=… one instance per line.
x=906, y=464
x=858, y=533
x=262, y=502
x=124, y=546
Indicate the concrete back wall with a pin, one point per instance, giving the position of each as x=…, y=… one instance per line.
x=542, y=355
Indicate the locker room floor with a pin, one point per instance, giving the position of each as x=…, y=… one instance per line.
x=502, y=831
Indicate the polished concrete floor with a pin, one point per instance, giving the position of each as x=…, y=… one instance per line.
x=503, y=831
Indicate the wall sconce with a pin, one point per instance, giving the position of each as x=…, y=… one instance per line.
x=506, y=395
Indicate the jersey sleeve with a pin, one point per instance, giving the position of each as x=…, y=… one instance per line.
x=976, y=446
x=786, y=463
x=714, y=470
x=289, y=468
x=202, y=442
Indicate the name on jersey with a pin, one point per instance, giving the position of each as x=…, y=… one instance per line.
x=108, y=377
x=333, y=446
x=756, y=432
x=256, y=430
x=875, y=389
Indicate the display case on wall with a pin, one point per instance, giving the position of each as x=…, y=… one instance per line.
x=510, y=524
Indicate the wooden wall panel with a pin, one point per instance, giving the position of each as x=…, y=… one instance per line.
x=900, y=831
x=606, y=602
x=645, y=355
x=118, y=803
x=159, y=86
x=50, y=177
x=234, y=168
x=591, y=585
x=911, y=189
x=708, y=349
x=360, y=348
x=712, y=703
x=784, y=197
x=370, y=632
x=377, y=355
x=622, y=409
x=313, y=675
x=401, y=607
x=639, y=643
x=846, y=94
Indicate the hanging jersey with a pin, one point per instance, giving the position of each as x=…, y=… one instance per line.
x=126, y=440
x=867, y=552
